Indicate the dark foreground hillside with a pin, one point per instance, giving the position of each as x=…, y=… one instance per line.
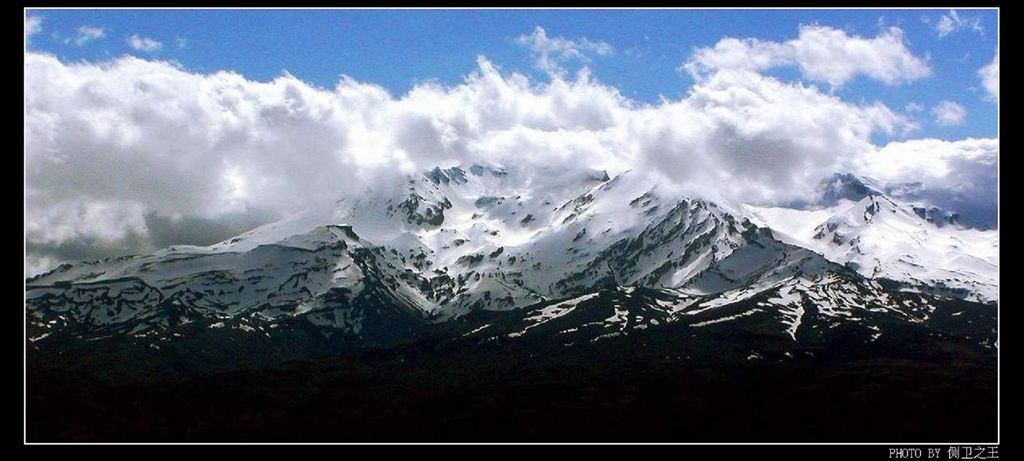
x=664, y=385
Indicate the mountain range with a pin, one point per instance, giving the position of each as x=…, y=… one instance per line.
x=424, y=310
x=453, y=241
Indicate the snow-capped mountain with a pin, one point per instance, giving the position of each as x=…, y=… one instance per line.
x=456, y=241
x=879, y=237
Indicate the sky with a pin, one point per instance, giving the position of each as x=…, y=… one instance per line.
x=400, y=48
x=146, y=128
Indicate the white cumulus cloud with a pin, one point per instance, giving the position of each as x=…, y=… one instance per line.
x=914, y=107
x=85, y=34
x=949, y=113
x=550, y=53
x=134, y=153
x=145, y=44
x=952, y=22
x=990, y=77
x=33, y=25
x=822, y=54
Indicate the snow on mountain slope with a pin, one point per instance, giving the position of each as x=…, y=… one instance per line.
x=437, y=248
x=328, y=276
x=508, y=246
x=880, y=237
x=457, y=240
x=807, y=309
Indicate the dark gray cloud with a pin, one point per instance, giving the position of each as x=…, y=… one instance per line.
x=165, y=231
x=88, y=249
x=957, y=176
x=978, y=210
x=160, y=232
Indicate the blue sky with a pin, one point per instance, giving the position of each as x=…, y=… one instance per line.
x=397, y=49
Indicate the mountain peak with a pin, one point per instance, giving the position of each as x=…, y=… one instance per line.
x=451, y=175
x=845, y=186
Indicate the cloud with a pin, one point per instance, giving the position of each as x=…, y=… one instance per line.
x=952, y=22
x=821, y=53
x=33, y=25
x=949, y=113
x=990, y=78
x=163, y=231
x=954, y=175
x=145, y=44
x=756, y=139
x=550, y=53
x=914, y=107
x=85, y=34
x=180, y=43
x=137, y=154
